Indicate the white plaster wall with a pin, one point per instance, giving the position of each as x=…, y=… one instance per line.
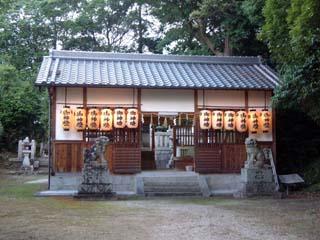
x=228, y=98
x=110, y=96
x=74, y=96
x=72, y=134
x=167, y=100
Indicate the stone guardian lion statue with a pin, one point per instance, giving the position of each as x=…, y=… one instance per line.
x=255, y=156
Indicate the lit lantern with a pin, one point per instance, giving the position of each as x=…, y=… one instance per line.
x=229, y=120
x=132, y=118
x=80, y=119
x=265, y=117
x=93, y=119
x=241, y=121
x=217, y=120
x=205, y=119
x=119, y=118
x=66, y=118
x=253, y=123
x=106, y=119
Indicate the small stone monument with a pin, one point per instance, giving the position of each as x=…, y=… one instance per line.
x=95, y=173
x=256, y=176
x=26, y=153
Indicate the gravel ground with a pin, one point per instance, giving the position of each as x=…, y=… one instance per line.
x=23, y=216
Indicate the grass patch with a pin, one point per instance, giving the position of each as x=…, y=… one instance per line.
x=16, y=190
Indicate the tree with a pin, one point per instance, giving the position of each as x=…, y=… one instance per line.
x=142, y=24
x=214, y=27
x=292, y=32
x=23, y=109
x=99, y=25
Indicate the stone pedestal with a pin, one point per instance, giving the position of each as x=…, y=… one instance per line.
x=95, y=182
x=256, y=182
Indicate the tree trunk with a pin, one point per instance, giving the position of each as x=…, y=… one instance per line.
x=203, y=38
x=227, y=47
x=140, y=40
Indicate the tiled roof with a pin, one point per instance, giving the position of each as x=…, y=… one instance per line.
x=75, y=68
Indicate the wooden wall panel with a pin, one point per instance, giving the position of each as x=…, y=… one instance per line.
x=125, y=159
x=233, y=158
x=223, y=158
x=208, y=160
x=68, y=156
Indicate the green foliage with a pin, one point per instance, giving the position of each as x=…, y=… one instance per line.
x=304, y=23
x=292, y=31
x=21, y=114
x=252, y=9
x=298, y=141
x=274, y=31
x=179, y=35
x=311, y=173
x=301, y=86
x=23, y=109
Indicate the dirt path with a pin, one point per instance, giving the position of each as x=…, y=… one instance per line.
x=23, y=216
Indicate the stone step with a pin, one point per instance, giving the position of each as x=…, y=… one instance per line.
x=169, y=194
x=170, y=179
x=195, y=185
x=177, y=190
x=172, y=185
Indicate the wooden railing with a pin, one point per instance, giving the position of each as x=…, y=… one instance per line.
x=208, y=138
x=123, y=136
x=184, y=135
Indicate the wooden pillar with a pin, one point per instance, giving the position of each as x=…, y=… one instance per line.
x=274, y=135
x=174, y=141
x=196, y=125
x=139, y=116
x=139, y=133
x=52, y=130
x=84, y=103
x=152, y=137
x=53, y=97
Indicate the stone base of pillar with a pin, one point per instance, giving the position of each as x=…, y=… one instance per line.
x=256, y=182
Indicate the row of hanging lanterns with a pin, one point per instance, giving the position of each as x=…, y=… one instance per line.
x=104, y=119
x=241, y=121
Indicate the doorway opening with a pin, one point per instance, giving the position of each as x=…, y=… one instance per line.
x=167, y=137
